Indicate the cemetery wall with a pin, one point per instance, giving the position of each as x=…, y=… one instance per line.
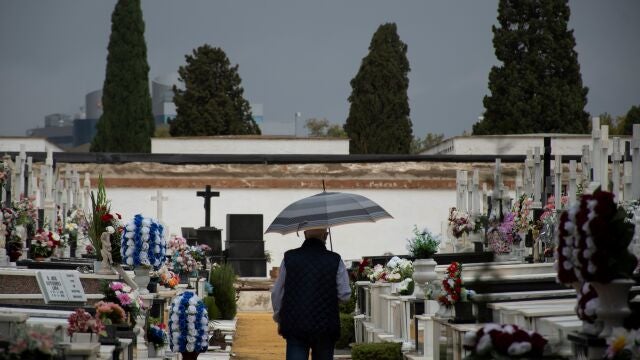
x=414, y=193
x=565, y=144
x=31, y=144
x=249, y=145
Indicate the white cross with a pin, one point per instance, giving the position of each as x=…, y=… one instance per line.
x=558, y=182
x=159, y=199
x=615, y=167
x=604, y=157
x=528, y=173
x=573, y=187
x=519, y=185
x=635, y=149
x=537, y=180
x=596, y=163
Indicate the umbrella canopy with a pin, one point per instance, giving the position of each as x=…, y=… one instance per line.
x=325, y=210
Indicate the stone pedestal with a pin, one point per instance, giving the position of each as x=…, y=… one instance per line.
x=4, y=259
x=245, y=245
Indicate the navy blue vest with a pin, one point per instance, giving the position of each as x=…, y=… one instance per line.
x=310, y=301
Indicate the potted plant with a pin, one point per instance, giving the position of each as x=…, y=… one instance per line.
x=422, y=247
x=43, y=244
x=157, y=337
x=143, y=247
x=495, y=341
x=593, y=246
x=455, y=295
x=189, y=324
x=33, y=343
x=123, y=295
x=83, y=327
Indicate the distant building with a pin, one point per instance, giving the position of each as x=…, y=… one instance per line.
x=516, y=144
x=249, y=144
x=58, y=129
x=164, y=109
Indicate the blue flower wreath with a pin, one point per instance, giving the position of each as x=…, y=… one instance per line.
x=188, y=324
x=143, y=243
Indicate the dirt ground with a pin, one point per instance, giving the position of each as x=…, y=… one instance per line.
x=257, y=338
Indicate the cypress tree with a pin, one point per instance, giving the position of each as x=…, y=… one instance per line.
x=378, y=121
x=127, y=124
x=212, y=101
x=538, y=87
x=632, y=117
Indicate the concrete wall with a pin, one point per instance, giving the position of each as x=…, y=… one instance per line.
x=250, y=145
x=31, y=144
x=424, y=208
x=515, y=145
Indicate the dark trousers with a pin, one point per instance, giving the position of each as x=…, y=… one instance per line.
x=321, y=349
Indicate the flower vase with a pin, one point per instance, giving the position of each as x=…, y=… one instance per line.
x=190, y=355
x=614, y=303
x=156, y=352
x=80, y=337
x=431, y=307
x=424, y=270
x=142, y=279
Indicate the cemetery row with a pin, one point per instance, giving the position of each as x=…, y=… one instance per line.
x=133, y=292
x=564, y=283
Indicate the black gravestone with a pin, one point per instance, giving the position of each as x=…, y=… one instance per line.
x=245, y=245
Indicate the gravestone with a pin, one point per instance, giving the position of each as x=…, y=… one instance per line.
x=245, y=245
x=209, y=235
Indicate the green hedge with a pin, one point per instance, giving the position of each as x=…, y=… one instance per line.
x=212, y=308
x=347, y=335
x=378, y=351
x=222, y=279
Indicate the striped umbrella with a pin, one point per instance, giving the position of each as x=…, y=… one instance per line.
x=325, y=210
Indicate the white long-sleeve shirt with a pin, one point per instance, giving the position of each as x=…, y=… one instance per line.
x=277, y=293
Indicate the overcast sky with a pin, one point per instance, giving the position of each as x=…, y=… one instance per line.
x=299, y=56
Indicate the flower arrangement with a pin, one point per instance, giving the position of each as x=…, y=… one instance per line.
x=143, y=243
x=587, y=303
x=452, y=286
x=423, y=245
x=81, y=321
x=593, y=239
x=110, y=313
x=377, y=273
x=33, y=343
x=169, y=279
x=500, y=236
x=26, y=211
x=44, y=243
x=3, y=176
x=183, y=258
x=102, y=220
x=157, y=333
x=398, y=269
x=406, y=286
x=522, y=215
x=188, y=324
x=459, y=223
x=74, y=226
x=360, y=273
x=90, y=250
x=623, y=344
x=494, y=340
x=122, y=294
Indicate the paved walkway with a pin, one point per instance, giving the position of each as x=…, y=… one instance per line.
x=257, y=338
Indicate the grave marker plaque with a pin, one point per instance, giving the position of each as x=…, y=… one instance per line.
x=60, y=286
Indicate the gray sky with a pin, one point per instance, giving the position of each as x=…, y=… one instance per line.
x=299, y=56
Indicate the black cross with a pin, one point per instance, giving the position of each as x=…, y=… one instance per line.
x=207, y=194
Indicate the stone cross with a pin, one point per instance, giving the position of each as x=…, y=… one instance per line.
x=159, y=199
x=519, y=184
x=604, y=157
x=596, y=150
x=585, y=163
x=616, y=157
x=484, y=197
x=5, y=192
x=573, y=182
x=18, y=174
x=461, y=180
x=475, y=193
x=28, y=174
x=627, y=180
x=537, y=180
x=68, y=187
x=49, y=202
x=77, y=200
x=86, y=193
x=558, y=182
x=207, y=194
x=635, y=149
x=528, y=173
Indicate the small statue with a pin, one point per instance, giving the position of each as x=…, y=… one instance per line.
x=107, y=260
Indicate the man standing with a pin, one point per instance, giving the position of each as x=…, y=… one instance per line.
x=305, y=298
